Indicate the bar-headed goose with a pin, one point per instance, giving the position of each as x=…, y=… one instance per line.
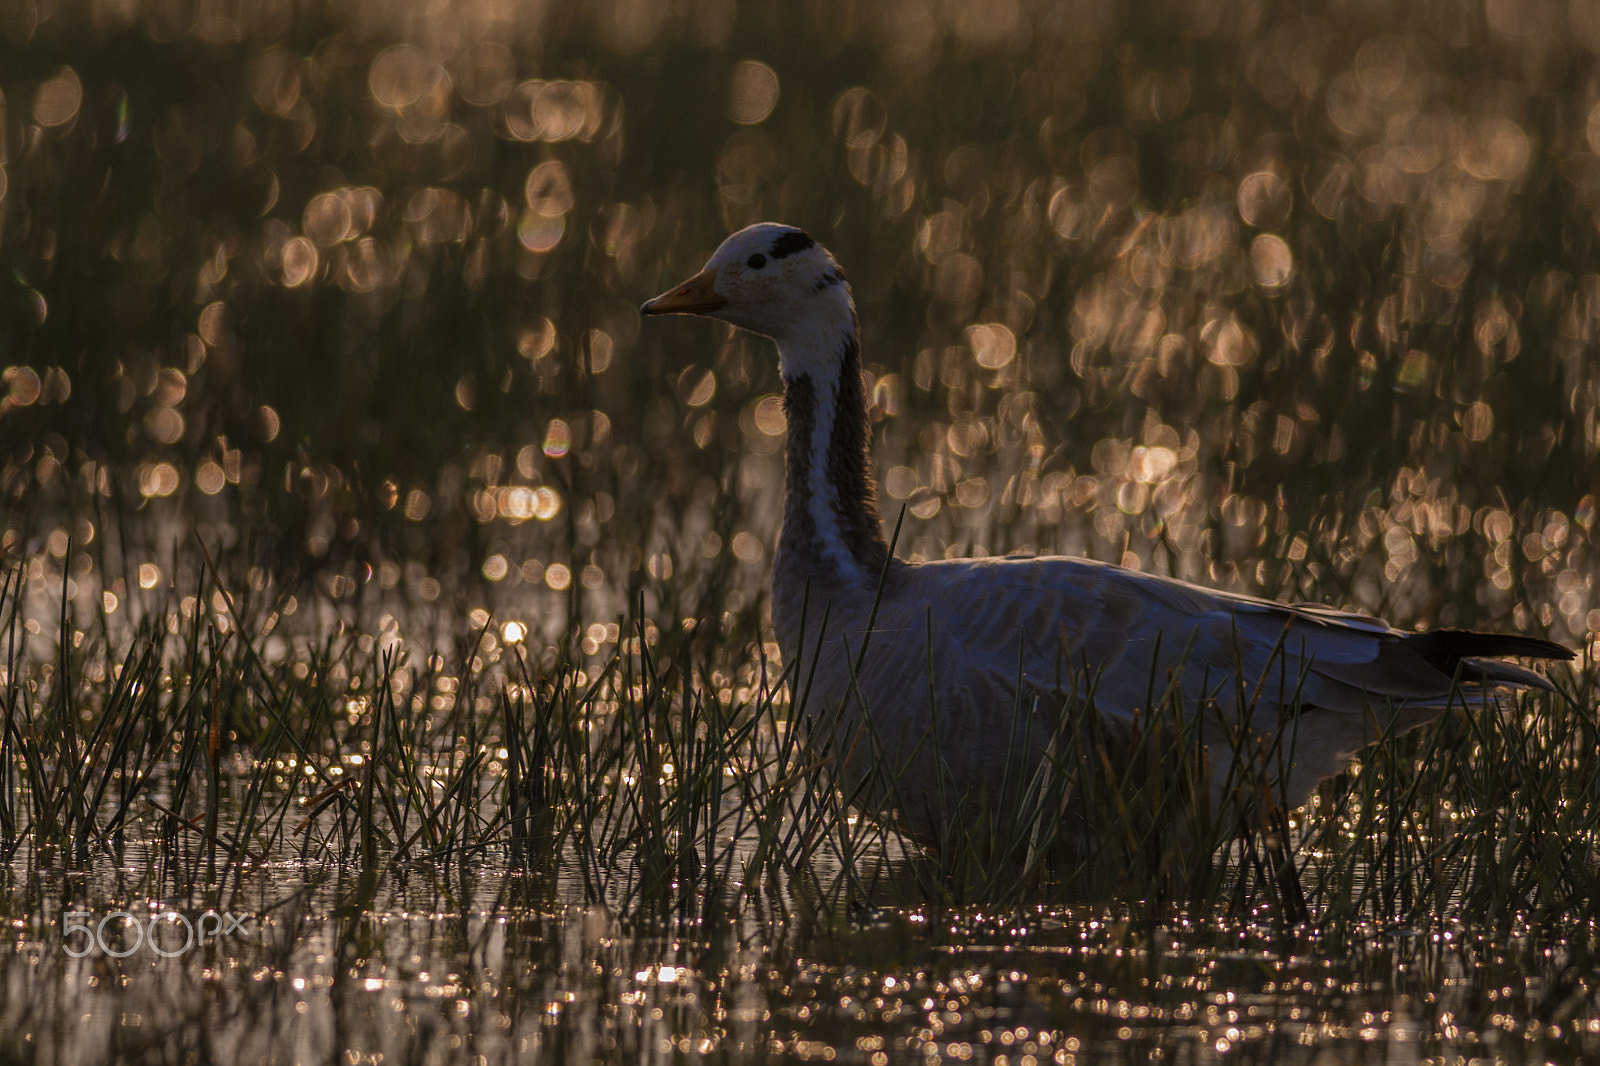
x=972, y=664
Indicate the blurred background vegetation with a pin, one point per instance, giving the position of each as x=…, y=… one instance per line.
x=1300, y=299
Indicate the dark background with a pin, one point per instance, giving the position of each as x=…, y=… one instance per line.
x=1293, y=298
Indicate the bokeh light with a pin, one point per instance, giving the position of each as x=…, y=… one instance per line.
x=1273, y=308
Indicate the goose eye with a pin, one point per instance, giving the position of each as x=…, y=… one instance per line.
x=756, y=262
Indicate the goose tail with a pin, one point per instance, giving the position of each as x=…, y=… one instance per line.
x=1477, y=656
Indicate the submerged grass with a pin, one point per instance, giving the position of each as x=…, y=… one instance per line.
x=652, y=848
x=218, y=737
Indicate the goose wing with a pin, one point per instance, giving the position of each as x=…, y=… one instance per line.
x=1130, y=635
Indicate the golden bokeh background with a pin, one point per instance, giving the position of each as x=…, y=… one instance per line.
x=1301, y=300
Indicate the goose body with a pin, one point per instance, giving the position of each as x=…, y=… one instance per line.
x=971, y=665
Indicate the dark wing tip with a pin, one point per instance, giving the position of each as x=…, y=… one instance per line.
x=1496, y=672
x=1452, y=645
x=1479, y=657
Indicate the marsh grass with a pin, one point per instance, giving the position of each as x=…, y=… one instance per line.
x=218, y=740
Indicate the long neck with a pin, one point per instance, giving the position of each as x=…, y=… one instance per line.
x=831, y=526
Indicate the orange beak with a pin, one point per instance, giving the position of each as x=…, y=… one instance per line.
x=694, y=297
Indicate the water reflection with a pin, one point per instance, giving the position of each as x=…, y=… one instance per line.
x=414, y=982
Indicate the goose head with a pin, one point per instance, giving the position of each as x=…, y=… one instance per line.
x=776, y=281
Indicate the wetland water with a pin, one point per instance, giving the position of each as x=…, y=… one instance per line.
x=383, y=640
